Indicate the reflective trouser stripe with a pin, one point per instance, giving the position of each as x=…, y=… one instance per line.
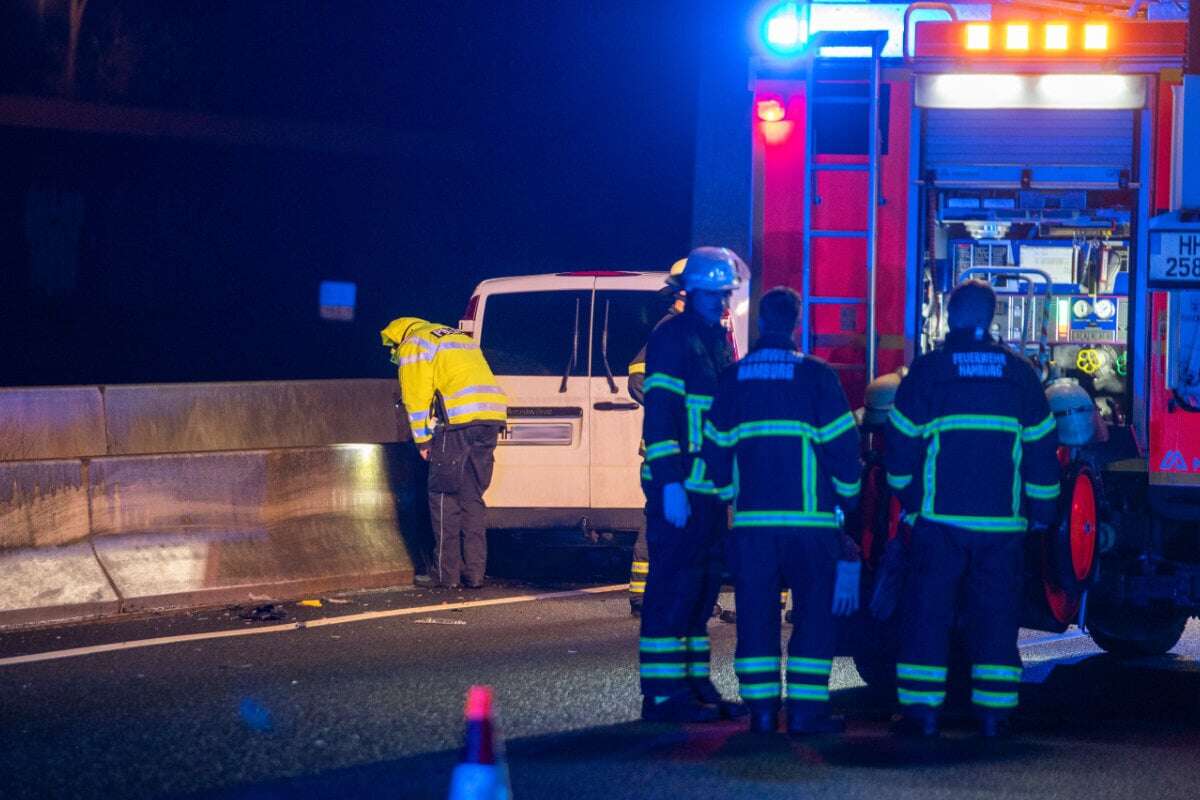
x=996, y=672
x=662, y=644
x=921, y=672
x=698, y=654
x=909, y=697
x=760, y=691
x=987, y=699
x=637, y=576
x=807, y=692
x=661, y=670
x=810, y=666
x=757, y=664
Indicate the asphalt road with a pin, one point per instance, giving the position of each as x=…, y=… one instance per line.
x=372, y=708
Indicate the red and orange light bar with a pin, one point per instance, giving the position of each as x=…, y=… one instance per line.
x=1025, y=37
x=1052, y=38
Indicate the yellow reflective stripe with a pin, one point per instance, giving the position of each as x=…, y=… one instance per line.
x=1039, y=491
x=899, y=482
x=847, y=489
x=974, y=422
x=663, y=449
x=661, y=380
x=637, y=368
x=809, y=467
x=996, y=672
x=987, y=699
x=784, y=519
x=903, y=424
x=717, y=436
x=1039, y=431
x=836, y=428
x=1017, y=452
x=981, y=524
x=908, y=697
x=697, y=481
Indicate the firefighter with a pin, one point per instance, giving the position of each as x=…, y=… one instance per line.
x=783, y=444
x=685, y=520
x=456, y=412
x=640, y=567
x=971, y=453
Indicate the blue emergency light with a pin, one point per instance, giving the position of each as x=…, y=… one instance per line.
x=785, y=28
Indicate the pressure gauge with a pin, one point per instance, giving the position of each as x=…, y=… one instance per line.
x=1081, y=308
x=1105, y=308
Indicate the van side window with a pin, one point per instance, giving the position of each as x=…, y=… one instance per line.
x=531, y=333
x=632, y=314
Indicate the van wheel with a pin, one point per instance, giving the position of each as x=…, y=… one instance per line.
x=1128, y=634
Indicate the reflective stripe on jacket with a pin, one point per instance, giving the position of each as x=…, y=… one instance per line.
x=439, y=360
x=683, y=359
x=781, y=441
x=971, y=441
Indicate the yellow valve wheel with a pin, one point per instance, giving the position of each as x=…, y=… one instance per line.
x=1088, y=361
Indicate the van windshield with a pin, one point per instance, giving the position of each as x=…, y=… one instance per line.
x=531, y=333
x=632, y=314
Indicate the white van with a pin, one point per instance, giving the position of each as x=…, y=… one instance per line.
x=560, y=346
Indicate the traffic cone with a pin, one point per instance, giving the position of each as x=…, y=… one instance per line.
x=481, y=773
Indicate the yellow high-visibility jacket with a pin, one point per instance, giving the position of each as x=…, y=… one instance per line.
x=440, y=361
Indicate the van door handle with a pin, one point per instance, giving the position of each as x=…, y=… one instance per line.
x=609, y=406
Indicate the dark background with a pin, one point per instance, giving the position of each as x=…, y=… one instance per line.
x=511, y=138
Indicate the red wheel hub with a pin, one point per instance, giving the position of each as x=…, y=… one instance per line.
x=1083, y=526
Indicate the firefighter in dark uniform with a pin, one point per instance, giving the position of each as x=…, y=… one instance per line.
x=971, y=453
x=685, y=520
x=782, y=443
x=640, y=567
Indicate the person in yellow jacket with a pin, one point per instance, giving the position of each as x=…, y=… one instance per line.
x=456, y=412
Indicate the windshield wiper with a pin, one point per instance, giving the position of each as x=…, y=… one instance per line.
x=562, y=387
x=612, y=385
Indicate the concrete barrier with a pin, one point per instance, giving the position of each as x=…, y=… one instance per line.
x=239, y=492
x=51, y=422
x=195, y=417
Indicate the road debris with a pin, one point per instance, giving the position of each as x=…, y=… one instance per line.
x=264, y=613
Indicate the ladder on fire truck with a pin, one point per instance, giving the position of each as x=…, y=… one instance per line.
x=873, y=41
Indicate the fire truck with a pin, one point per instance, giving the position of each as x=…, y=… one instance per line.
x=901, y=149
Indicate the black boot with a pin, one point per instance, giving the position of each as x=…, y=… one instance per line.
x=918, y=723
x=707, y=693
x=994, y=726
x=683, y=707
x=763, y=721
x=635, y=606
x=809, y=724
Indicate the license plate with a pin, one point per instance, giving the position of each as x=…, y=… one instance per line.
x=1175, y=259
x=552, y=433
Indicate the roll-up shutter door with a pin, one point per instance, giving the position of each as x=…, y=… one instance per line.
x=1030, y=146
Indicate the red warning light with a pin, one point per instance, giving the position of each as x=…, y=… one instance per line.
x=770, y=109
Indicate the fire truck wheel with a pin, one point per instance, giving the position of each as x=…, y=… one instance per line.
x=1128, y=634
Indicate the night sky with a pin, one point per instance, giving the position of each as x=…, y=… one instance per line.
x=538, y=137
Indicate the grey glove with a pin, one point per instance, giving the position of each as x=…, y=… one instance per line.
x=845, y=589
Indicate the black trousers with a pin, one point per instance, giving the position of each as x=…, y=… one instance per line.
x=460, y=470
x=985, y=570
x=806, y=560
x=682, y=586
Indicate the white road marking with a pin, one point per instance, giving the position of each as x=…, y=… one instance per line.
x=302, y=625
